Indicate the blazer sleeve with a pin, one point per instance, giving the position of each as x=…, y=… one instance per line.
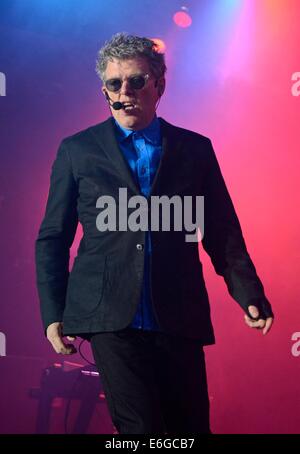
x=223, y=241
x=55, y=237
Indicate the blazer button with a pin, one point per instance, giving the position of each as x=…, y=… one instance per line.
x=140, y=247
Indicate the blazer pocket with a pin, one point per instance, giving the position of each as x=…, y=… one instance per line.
x=85, y=286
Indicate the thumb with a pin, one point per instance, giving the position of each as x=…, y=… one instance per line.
x=71, y=338
x=253, y=311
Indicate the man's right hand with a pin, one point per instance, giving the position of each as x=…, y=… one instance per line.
x=55, y=337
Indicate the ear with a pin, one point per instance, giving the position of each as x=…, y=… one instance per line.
x=104, y=91
x=161, y=86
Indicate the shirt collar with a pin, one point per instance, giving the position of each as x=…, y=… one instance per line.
x=151, y=133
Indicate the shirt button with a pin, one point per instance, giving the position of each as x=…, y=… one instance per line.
x=143, y=170
x=140, y=247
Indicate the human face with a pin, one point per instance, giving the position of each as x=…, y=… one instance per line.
x=144, y=99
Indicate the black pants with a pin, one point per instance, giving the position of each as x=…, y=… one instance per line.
x=153, y=382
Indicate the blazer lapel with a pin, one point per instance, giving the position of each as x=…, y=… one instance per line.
x=174, y=171
x=106, y=138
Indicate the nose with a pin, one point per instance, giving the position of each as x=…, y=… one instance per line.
x=125, y=88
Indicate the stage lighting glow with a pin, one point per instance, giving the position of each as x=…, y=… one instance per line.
x=161, y=46
x=182, y=19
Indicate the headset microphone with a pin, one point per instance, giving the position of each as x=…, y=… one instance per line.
x=117, y=105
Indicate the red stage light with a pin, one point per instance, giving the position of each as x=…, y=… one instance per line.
x=182, y=19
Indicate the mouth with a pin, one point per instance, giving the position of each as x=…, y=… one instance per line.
x=128, y=106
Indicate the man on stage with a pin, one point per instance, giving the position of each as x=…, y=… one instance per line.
x=138, y=295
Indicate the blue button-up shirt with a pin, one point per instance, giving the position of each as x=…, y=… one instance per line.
x=142, y=150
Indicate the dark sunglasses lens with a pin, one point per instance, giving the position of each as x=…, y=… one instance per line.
x=113, y=84
x=137, y=82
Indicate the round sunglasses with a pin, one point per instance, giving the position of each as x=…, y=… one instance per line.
x=135, y=82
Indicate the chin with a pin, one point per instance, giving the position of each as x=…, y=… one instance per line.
x=130, y=122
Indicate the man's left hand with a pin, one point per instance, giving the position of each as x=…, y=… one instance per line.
x=259, y=323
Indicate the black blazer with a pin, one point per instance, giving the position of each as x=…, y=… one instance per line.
x=102, y=291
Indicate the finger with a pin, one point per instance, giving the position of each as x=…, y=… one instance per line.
x=255, y=323
x=254, y=312
x=57, y=344
x=71, y=338
x=269, y=323
x=69, y=349
x=60, y=347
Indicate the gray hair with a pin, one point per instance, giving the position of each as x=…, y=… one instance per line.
x=123, y=46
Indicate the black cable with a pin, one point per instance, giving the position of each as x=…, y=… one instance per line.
x=82, y=355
